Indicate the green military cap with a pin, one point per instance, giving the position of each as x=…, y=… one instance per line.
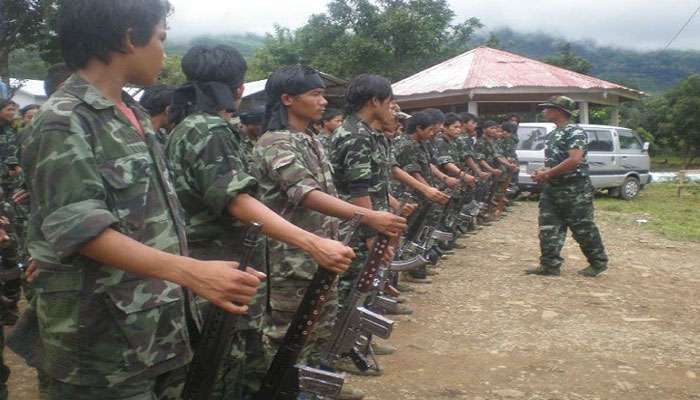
x=563, y=103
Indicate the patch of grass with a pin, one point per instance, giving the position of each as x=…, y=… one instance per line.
x=675, y=218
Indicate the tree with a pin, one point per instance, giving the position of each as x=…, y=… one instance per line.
x=683, y=117
x=172, y=72
x=493, y=42
x=394, y=38
x=23, y=24
x=567, y=59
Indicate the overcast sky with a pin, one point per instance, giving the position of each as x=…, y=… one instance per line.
x=641, y=24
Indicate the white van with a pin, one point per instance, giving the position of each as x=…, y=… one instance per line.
x=618, y=158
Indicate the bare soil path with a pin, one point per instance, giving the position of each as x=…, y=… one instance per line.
x=486, y=331
x=483, y=330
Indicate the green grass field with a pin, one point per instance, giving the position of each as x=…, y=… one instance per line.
x=673, y=217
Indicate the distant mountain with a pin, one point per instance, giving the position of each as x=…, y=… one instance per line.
x=651, y=71
x=246, y=43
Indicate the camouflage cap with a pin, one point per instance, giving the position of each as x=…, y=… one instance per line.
x=563, y=103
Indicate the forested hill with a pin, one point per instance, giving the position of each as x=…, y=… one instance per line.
x=651, y=71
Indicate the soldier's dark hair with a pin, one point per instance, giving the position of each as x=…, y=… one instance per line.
x=221, y=63
x=451, y=118
x=90, y=29
x=7, y=102
x=256, y=116
x=419, y=120
x=437, y=116
x=509, y=127
x=57, y=74
x=466, y=117
x=157, y=98
x=511, y=116
x=24, y=110
x=331, y=113
x=363, y=88
x=488, y=124
x=293, y=80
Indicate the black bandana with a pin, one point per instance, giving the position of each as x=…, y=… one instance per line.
x=292, y=80
x=207, y=97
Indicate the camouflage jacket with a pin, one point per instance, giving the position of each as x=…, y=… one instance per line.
x=414, y=157
x=206, y=159
x=449, y=150
x=557, y=147
x=469, y=147
x=89, y=169
x=210, y=170
x=9, y=156
x=491, y=151
x=362, y=155
x=288, y=166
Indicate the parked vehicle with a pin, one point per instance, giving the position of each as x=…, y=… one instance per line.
x=618, y=158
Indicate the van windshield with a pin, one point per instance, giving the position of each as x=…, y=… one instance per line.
x=532, y=138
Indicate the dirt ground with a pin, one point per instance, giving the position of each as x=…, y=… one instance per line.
x=484, y=330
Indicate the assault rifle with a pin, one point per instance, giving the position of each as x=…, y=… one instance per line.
x=215, y=340
x=284, y=379
x=356, y=321
x=15, y=230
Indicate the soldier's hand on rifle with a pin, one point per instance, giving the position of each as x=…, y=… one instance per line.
x=514, y=167
x=540, y=176
x=224, y=285
x=468, y=179
x=20, y=196
x=408, y=209
x=485, y=176
x=436, y=196
x=332, y=255
x=4, y=221
x=451, y=182
x=32, y=271
x=4, y=237
x=497, y=173
x=385, y=222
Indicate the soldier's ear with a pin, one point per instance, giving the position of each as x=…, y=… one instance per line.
x=287, y=100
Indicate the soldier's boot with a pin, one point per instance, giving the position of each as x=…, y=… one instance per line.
x=593, y=271
x=416, y=278
x=380, y=349
x=345, y=364
x=404, y=287
x=543, y=270
x=400, y=309
x=348, y=393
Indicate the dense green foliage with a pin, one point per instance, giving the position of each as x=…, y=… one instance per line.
x=651, y=71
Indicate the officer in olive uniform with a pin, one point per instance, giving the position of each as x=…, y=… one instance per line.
x=567, y=197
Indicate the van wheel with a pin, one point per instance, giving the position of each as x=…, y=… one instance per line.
x=630, y=188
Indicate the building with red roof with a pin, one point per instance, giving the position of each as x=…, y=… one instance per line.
x=487, y=81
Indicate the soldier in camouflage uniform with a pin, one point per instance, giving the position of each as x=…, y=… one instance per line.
x=156, y=100
x=10, y=289
x=567, y=197
x=332, y=119
x=295, y=180
x=495, y=158
x=362, y=160
x=215, y=188
x=110, y=316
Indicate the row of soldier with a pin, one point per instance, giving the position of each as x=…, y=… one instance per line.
x=136, y=219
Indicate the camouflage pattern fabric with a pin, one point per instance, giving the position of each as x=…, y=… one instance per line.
x=288, y=166
x=359, y=153
x=167, y=386
x=569, y=206
x=559, y=142
x=449, y=150
x=242, y=372
x=4, y=369
x=89, y=169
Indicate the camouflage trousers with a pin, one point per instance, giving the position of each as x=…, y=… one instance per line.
x=285, y=297
x=4, y=370
x=164, y=387
x=569, y=206
x=242, y=372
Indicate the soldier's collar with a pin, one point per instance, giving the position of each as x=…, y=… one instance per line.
x=89, y=94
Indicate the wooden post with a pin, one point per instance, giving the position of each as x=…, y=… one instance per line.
x=681, y=182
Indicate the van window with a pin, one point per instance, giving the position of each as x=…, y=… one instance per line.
x=629, y=141
x=599, y=140
x=532, y=138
